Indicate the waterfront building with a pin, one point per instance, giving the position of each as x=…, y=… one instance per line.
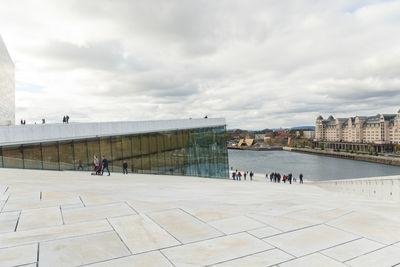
x=381, y=131
x=7, y=87
x=308, y=134
x=195, y=147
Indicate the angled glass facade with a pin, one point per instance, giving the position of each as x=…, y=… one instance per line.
x=192, y=152
x=7, y=87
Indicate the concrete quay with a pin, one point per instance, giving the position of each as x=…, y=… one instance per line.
x=344, y=155
x=74, y=219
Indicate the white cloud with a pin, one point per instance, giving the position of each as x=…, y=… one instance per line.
x=258, y=63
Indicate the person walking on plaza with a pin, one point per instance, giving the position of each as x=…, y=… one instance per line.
x=284, y=178
x=125, y=167
x=67, y=118
x=105, y=165
x=251, y=175
x=233, y=175
x=279, y=177
x=95, y=162
x=64, y=120
x=290, y=178
x=271, y=176
x=245, y=175
x=301, y=178
x=240, y=176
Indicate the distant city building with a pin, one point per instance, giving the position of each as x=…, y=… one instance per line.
x=308, y=134
x=378, y=129
x=259, y=137
x=7, y=87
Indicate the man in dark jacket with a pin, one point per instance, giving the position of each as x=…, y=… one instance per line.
x=105, y=165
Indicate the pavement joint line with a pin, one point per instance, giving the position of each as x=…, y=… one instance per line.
x=43, y=207
x=5, y=202
x=54, y=239
x=16, y=225
x=298, y=229
x=202, y=221
x=130, y=206
x=62, y=216
x=266, y=224
x=82, y=201
x=41, y=195
x=38, y=251
x=368, y=253
x=6, y=190
x=363, y=236
x=164, y=229
x=120, y=238
x=241, y=257
x=294, y=256
x=167, y=258
x=341, y=216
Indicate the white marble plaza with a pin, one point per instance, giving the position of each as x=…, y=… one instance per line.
x=74, y=219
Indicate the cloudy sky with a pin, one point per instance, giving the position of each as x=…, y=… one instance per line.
x=257, y=63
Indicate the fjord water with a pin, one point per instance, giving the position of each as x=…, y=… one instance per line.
x=313, y=167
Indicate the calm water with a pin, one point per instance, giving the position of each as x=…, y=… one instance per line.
x=313, y=167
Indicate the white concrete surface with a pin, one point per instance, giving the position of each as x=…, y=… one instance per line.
x=34, y=133
x=75, y=219
x=382, y=188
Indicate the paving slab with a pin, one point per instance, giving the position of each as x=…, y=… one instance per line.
x=388, y=256
x=81, y=250
x=352, y=249
x=236, y=224
x=8, y=221
x=141, y=234
x=147, y=206
x=39, y=218
x=215, y=250
x=18, y=255
x=183, y=226
x=264, y=232
x=281, y=222
x=315, y=259
x=266, y=258
x=370, y=225
x=55, y=232
x=97, y=212
x=309, y=240
x=149, y=259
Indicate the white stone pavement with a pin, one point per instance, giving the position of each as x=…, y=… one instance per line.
x=73, y=219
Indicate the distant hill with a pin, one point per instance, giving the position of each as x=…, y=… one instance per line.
x=303, y=128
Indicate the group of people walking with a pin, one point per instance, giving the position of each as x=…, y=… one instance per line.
x=237, y=175
x=276, y=177
x=99, y=167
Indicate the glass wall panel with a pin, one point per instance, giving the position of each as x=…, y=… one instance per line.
x=160, y=153
x=144, y=145
x=195, y=152
x=153, y=154
x=105, y=150
x=81, y=156
x=12, y=157
x=137, y=159
x=127, y=152
x=32, y=157
x=116, y=160
x=66, y=156
x=93, y=149
x=50, y=156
